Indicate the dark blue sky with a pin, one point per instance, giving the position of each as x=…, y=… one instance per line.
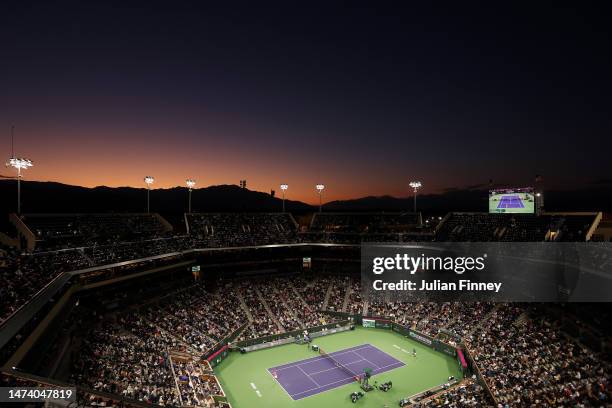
x=362, y=98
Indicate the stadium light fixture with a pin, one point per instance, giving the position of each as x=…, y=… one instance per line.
x=19, y=164
x=320, y=188
x=190, y=185
x=148, y=181
x=415, y=186
x=284, y=188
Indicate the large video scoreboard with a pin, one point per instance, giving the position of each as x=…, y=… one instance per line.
x=512, y=200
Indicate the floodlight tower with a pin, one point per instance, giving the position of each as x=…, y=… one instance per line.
x=149, y=180
x=415, y=185
x=320, y=188
x=18, y=163
x=284, y=188
x=190, y=184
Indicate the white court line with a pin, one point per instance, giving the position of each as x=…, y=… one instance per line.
x=323, y=386
x=317, y=358
x=365, y=359
x=279, y=383
x=336, y=367
x=396, y=346
x=344, y=379
x=309, y=377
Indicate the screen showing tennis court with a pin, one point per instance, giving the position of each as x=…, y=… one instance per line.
x=512, y=200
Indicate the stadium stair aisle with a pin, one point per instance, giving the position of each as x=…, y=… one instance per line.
x=298, y=295
x=176, y=385
x=244, y=307
x=339, y=290
x=347, y=296
x=289, y=308
x=486, y=318
x=522, y=319
x=165, y=332
x=268, y=310
x=327, y=295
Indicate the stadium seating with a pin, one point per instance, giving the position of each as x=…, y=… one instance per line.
x=523, y=357
x=355, y=228
x=57, y=231
x=484, y=227
x=365, y=222
x=241, y=229
x=152, y=350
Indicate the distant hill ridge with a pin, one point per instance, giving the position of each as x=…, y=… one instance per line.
x=52, y=197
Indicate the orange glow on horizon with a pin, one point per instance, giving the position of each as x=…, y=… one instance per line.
x=123, y=159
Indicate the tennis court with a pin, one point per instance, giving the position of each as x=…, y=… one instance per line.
x=312, y=376
x=510, y=201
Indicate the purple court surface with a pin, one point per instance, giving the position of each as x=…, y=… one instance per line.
x=510, y=201
x=308, y=377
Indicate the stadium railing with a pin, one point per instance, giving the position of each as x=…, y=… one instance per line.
x=20, y=317
x=214, y=350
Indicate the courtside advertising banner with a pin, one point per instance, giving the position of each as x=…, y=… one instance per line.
x=369, y=323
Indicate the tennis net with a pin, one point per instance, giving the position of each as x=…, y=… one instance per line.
x=335, y=362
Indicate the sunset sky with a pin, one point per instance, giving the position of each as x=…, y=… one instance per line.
x=362, y=99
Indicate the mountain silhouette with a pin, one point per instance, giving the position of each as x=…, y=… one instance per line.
x=52, y=197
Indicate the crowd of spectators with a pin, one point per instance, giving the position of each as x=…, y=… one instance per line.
x=115, y=361
x=241, y=229
x=312, y=291
x=356, y=228
x=355, y=300
x=124, y=251
x=22, y=276
x=138, y=345
x=104, y=239
x=199, y=319
x=467, y=394
x=263, y=323
x=367, y=222
x=522, y=356
x=195, y=385
x=282, y=291
x=483, y=227
x=56, y=231
x=452, y=319
x=527, y=361
x=338, y=293
x=277, y=293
